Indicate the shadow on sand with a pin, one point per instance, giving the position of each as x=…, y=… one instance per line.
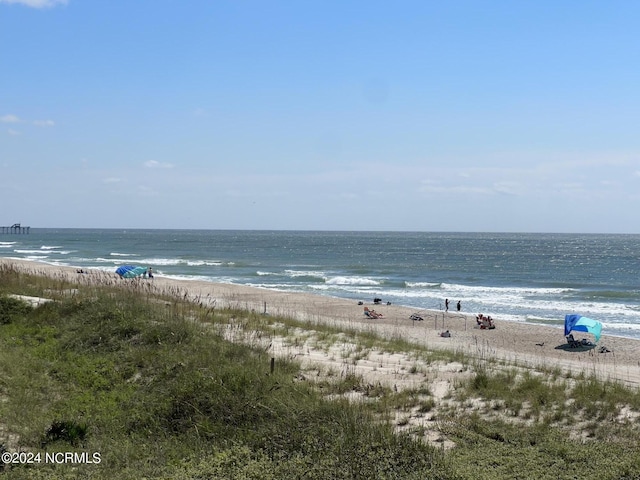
x=581, y=348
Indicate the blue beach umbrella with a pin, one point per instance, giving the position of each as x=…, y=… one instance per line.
x=130, y=271
x=578, y=323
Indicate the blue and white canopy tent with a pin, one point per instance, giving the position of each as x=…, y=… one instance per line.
x=578, y=323
x=130, y=271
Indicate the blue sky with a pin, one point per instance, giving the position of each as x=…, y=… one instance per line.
x=328, y=115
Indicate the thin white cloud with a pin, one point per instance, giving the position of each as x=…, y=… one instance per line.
x=14, y=119
x=112, y=180
x=9, y=118
x=156, y=164
x=44, y=123
x=36, y=3
x=13, y=133
x=455, y=189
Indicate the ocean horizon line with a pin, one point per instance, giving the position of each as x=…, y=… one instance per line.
x=311, y=230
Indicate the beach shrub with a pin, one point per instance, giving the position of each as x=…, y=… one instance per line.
x=480, y=380
x=68, y=431
x=11, y=307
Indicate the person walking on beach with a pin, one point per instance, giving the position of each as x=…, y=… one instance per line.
x=458, y=306
x=446, y=304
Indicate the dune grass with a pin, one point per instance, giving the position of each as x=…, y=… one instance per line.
x=157, y=395
x=149, y=386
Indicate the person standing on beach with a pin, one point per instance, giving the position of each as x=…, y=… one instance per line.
x=458, y=306
x=446, y=304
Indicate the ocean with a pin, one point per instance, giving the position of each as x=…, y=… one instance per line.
x=519, y=277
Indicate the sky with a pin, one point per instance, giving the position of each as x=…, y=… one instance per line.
x=417, y=115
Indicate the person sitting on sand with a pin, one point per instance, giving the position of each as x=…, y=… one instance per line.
x=484, y=322
x=372, y=313
x=487, y=323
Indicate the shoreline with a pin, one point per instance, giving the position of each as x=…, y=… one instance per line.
x=521, y=344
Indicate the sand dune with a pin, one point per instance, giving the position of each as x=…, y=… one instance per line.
x=520, y=343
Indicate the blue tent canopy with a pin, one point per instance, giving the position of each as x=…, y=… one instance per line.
x=130, y=271
x=579, y=323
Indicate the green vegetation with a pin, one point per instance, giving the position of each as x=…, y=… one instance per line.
x=149, y=385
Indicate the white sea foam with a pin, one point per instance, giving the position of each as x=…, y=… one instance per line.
x=106, y=260
x=116, y=254
x=202, y=278
x=449, y=287
x=293, y=274
x=180, y=261
x=160, y=261
x=351, y=281
x=620, y=326
x=305, y=273
x=204, y=263
x=545, y=300
x=422, y=284
x=43, y=251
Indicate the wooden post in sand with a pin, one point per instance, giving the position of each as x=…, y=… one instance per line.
x=273, y=364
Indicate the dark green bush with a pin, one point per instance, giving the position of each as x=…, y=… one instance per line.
x=12, y=307
x=67, y=431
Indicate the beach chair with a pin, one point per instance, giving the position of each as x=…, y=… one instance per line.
x=573, y=343
x=416, y=317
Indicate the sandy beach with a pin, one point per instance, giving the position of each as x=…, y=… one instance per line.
x=522, y=344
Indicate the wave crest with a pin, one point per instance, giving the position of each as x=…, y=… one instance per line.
x=352, y=281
